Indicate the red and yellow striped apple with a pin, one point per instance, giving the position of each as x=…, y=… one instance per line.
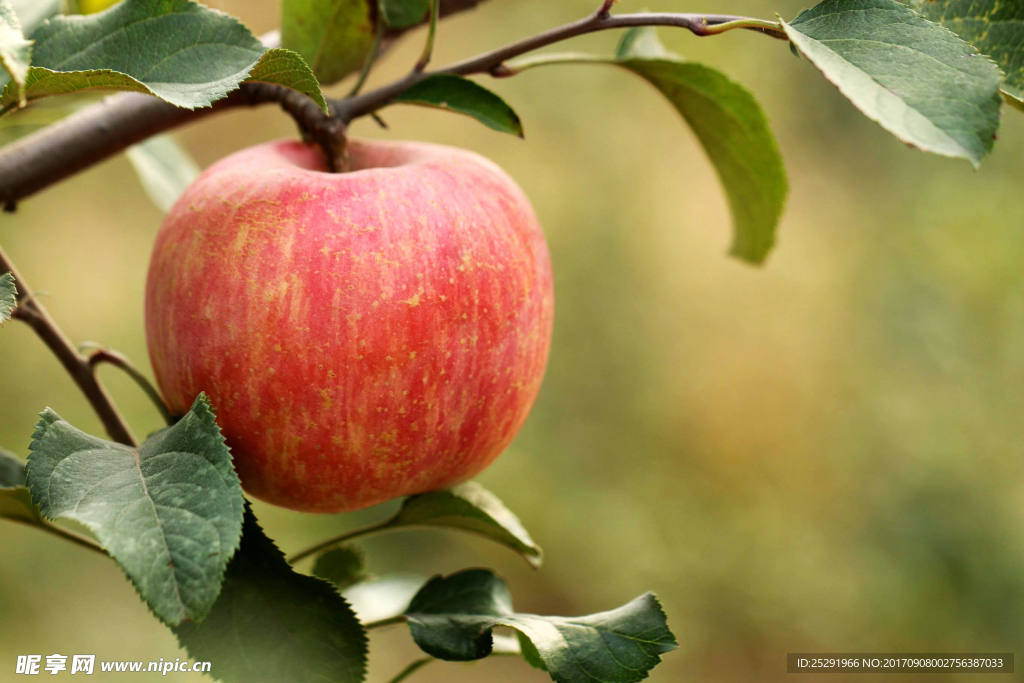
x=362, y=335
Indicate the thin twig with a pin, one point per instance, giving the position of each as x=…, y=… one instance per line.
x=338, y=540
x=102, y=355
x=391, y=621
x=32, y=313
x=411, y=669
x=492, y=62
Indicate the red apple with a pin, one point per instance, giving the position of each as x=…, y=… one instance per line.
x=362, y=335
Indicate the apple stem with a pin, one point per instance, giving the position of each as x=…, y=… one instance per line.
x=33, y=314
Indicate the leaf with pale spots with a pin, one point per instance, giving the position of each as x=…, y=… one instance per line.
x=463, y=96
x=344, y=567
x=469, y=507
x=916, y=79
x=452, y=618
x=273, y=625
x=169, y=511
x=8, y=297
x=178, y=50
x=995, y=27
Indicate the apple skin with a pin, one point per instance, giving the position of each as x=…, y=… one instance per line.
x=362, y=335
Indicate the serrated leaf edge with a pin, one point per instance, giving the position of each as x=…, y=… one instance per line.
x=48, y=417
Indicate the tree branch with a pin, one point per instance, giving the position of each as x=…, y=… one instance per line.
x=31, y=312
x=102, y=130
x=492, y=62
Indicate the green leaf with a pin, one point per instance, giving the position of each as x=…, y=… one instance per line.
x=178, y=50
x=995, y=27
x=404, y=13
x=344, y=566
x=15, y=501
x=8, y=297
x=273, y=625
x=918, y=80
x=458, y=94
x=15, y=51
x=452, y=617
x=164, y=168
x=469, y=507
x=12, y=470
x=169, y=512
x=734, y=131
x=333, y=36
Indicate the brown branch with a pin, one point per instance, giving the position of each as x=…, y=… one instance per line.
x=492, y=62
x=32, y=313
x=102, y=130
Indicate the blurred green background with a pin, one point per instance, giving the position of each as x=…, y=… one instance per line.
x=820, y=455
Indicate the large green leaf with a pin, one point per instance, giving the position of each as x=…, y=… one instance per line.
x=452, y=617
x=333, y=36
x=344, y=567
x=178, y=50
x=917, y=79
x=164, y=168
x=728, y=122
x=15, y=51
x=461, y=95
x=469, y=507
x=995, y=27
x=404, y=13
x=734, y=131
x=8, y=297
x=272, y=625
x=169, y=512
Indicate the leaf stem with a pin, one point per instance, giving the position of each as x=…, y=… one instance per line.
x=32, y=313
x=119, y=360
x=338, y=540
x=411, y=669
x=390, y=621
x=493, y=62
x=371, y=56
x=428, y=48
x=772, y=27
x=75, y=538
